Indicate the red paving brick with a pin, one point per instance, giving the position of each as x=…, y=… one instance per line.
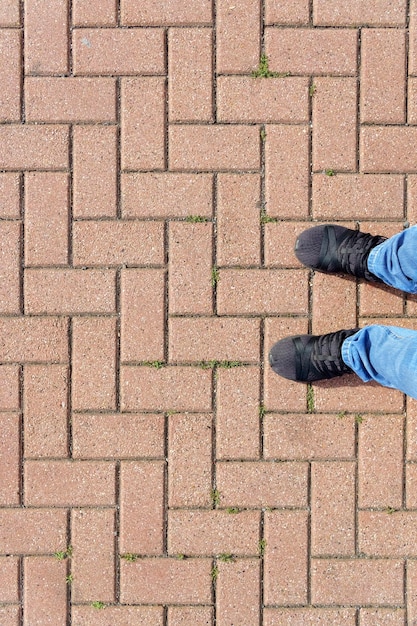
x=95, y=177
x=151, y=191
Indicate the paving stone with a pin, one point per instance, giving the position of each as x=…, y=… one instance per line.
x=262, y=484
x=9, y=387
x=336, y=579
x=333, y=508
x=10, y=195
x=45, y=590
x=10, y=458
x=22, y=339
x=358, y=195
x=165, y=581
x=303, y=437
x=92, y=564
x=238, y=592
x=70, y=483
x=309, y=617
x=224, y=533
x=143, y=314
x=380, y=457
x=9, y=579
x=172, y=12
x=182, y=615
x=190, y=460
x=238, y=413
x=10, y=13
x=238, y=219
x=45, y=397
x=237, y=36
x=355, y=13
x=83, y=291
x=388, y=149
x=95, y=178
x=205, y=339
x=386, y=533
x=46, y=43
x=166, y=389
x=116, y=243
x=316, y=51
x=117, y=51
x=334, y=124
x=142, y=507
x=10, y=273
x=190, y=289
x=383, y=48
x=326, y=317
x=46, y=218
x=295, y=12
x=94, y=359
x=167, y=194
x=10, y=59
x=385, y=617
x=411, y=588
x=285, y=565
x=190, y=69
x=232, y=148
x=247, y=99
x=32, y=531
x=286, y=185
x=31, y=147
x=142, y=124
x=70, y=99
x=83, y=615
x=260, y=292
x=115, y=435
x=85, y=13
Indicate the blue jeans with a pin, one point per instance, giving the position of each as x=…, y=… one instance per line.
x=388, y=354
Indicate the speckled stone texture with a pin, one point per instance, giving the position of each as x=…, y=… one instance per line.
x=154, y=471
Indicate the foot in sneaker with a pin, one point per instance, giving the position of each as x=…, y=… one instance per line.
x=308, y=358
x=336, y=249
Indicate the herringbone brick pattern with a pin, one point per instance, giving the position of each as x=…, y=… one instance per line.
x=153, y=470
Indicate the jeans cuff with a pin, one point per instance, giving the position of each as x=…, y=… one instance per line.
x=345, y=352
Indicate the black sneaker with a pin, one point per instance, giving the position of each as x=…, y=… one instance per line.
x=307, y=358
x=336, y=249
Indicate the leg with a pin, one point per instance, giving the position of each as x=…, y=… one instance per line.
x=395, y=260
x=386, y=354
x=335, y=249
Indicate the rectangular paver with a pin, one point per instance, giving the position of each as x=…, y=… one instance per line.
x=231, y=147
x=117, y=51
x=70, y=99
x=190, y=61
x=10, y=55
x=317, y=51
x=46, y=43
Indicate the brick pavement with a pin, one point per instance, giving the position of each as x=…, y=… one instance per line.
x=154, y=472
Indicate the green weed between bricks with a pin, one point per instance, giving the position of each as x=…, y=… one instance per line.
x=263, y=70
x=196, y=219
x=266, y=219
x=207, y=365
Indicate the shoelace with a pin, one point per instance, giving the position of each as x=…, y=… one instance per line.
x=352, y=252
x=320, y=357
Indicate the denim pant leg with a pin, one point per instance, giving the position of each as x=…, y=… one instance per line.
x=395, y=260
x=386, y=354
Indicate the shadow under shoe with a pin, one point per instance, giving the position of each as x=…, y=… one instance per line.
x=309, y=358
x=336, y=249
